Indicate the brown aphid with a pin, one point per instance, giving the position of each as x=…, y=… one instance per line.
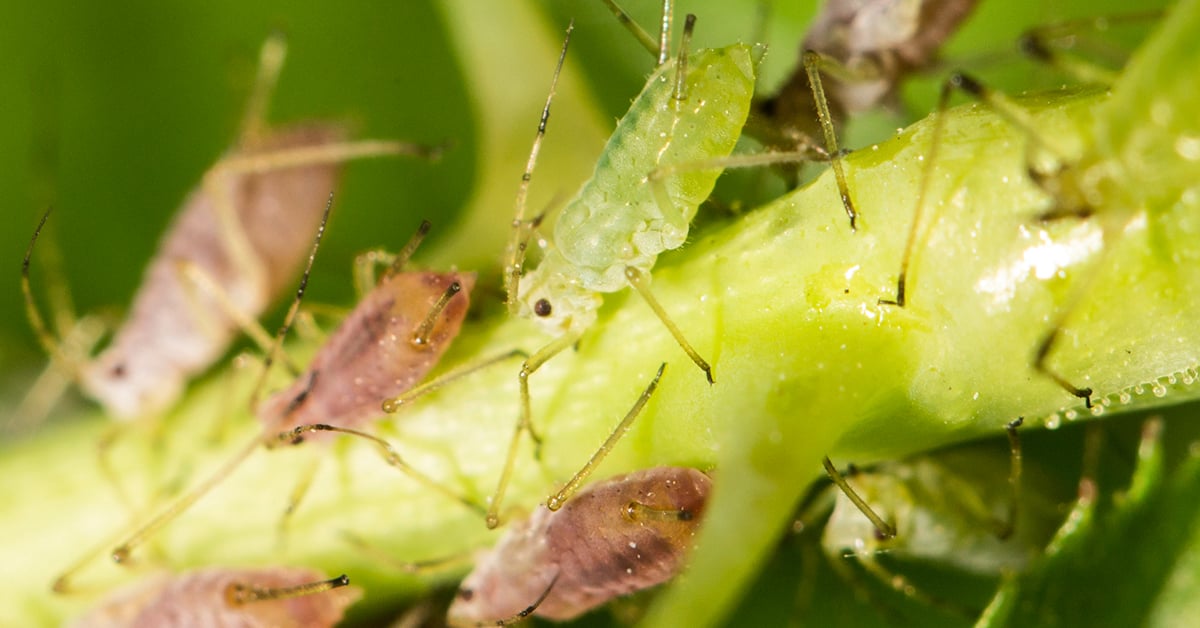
x=377, y=353
x=213, y=597
x=613, y=538
x=244, y=232
x=854, y=58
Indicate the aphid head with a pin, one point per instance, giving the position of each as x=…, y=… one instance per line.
x=131, y=385
x=556, y=302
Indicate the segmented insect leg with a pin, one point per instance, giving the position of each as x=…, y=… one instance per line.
x=365, y=263
x=512, y=619
x=1066, y=208
x=390, y=455
x=904, y=586
x=394, y=404
x=634, y=28
x=557, y=500
x=275, y=346
x=237, y=593
x=518, y=241
x=124, y=550
x=524, y=422
x=638, y=280
x=1047, y=44
x=915, y=232
x=883, y=528
x=813, y=64
x=1006, y=528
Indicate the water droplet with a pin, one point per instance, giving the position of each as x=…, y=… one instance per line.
x=1053, y=421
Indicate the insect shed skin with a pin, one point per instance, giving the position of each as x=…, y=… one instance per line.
x=208, y=598
x=615, y=221
x=231, y=251
x=371, y=356
x=597, y=547
x=174, y=330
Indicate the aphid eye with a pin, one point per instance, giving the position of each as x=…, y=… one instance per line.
x=118, y=371
x=685, y=514
x=542, y=308
x=466, y=594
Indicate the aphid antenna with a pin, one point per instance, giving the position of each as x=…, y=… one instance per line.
x=560, y=498
x=45, y=337
x=275, y=346
x=884, y=529
x=515, y=253
x=238, y=593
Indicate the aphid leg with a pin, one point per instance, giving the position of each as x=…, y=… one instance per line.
x=635, y=29
x=557, y=500
x=53, y=381
x=814, y=63
x=304, y=482
x=524, y=614
x=884, y=529
x=274, y=347
x=296, y=435
x=1050, y=43
x=1006, y=528
x=365, y=264
x=904, y=586
x=410, y=567
x=638, y=280
x=237, y=593
x=122, y=552
x=394, y=404
x=915, y=233
x=1072, y=206
x=524, y=422
x=521, y=228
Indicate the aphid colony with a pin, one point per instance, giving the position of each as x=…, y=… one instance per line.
x=584, y=546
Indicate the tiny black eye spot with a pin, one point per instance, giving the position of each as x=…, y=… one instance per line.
x=542, y=308
x=466, y=594
x=118, y=370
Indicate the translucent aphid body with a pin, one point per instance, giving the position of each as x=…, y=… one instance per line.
x=231, y=251
x=268, y=597
x=620, y=219
x=174, y=331
x=613, y=538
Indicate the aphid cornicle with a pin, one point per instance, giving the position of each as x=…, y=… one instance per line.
x=245, y=230
x=212, y=597
x=1126, y=174
x=613, y=538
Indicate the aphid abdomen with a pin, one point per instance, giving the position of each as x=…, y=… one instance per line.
x=175, y=330
x=371, y=356
x=603, y=553
x=198, y=600
x=615, y=221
